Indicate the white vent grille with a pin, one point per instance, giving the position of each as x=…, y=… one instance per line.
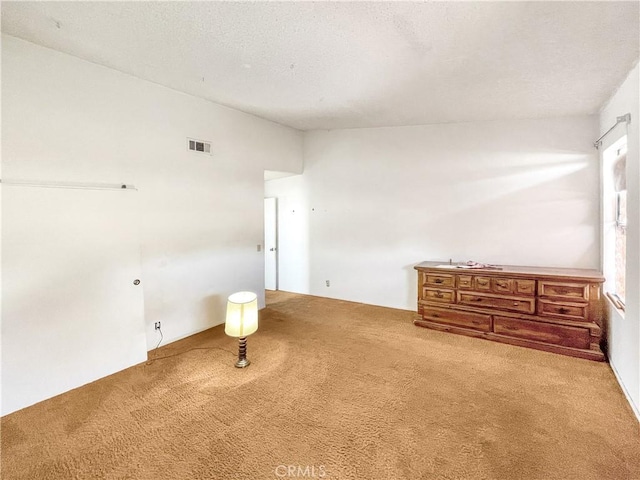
x=199, y=146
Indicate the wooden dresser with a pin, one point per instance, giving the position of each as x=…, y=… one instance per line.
x=552, y=309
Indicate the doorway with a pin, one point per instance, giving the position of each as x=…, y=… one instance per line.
x=271, y=244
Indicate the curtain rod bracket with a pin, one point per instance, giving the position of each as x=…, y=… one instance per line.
x=624, y=118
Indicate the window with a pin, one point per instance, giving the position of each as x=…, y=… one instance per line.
x=614, y=195
x=621, y=243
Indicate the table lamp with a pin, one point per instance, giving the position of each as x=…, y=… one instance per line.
x=242, y=320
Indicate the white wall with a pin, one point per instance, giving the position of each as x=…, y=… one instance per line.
x=68, y=120
x=624, y=329
x=374, y=202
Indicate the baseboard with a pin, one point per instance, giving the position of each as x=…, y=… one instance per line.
x=167, y=341
x=626, y=393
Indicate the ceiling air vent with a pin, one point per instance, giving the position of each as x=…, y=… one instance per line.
x=199, y=146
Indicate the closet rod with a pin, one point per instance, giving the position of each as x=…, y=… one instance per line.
x=624, y=118
x=81, y=186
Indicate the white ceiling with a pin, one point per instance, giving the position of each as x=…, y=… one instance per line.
x=328, y=65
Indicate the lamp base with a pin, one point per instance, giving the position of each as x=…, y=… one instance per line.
x=242, y=353
x=242, y=363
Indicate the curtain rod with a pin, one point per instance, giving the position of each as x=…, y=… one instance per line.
x=77, y=185
x=624, y=118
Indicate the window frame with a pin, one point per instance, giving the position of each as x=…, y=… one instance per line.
x=611, y=223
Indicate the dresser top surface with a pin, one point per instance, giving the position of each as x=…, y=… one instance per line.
x=514, y=270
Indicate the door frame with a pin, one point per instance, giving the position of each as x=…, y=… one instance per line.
x=267, y=247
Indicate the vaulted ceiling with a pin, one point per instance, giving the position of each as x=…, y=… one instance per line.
x=328, y=65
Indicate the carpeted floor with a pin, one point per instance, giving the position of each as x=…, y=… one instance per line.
x=336, y=390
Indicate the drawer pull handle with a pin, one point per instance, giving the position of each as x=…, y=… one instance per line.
x=439, y=280
x=515, y=304
x=439, y=295
x=501, y=284
x=509, y=327
x=435, y=315
x=562, y=291
x=563, y=310
x=482, y=282
x=475, y=322
x=478, y=299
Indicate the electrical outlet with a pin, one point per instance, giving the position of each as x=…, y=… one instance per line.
x=157, y=325
x=328, y=283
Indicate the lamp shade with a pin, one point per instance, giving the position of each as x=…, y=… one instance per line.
x=242, y=314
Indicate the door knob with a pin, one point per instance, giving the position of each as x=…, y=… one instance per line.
x=136, y=282
x=272, y=249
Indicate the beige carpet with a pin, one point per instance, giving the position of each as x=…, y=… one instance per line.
x=336, y=390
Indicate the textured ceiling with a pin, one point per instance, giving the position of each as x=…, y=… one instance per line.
x=327, y=65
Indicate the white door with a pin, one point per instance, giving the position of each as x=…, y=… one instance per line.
x=270, y=244
x=72, y=308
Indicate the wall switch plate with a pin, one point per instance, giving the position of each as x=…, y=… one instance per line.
x=157, y=325
x=328, y=283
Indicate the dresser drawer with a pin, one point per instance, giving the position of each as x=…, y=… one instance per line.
x=474, y=321
x=436, y=295
x=502, y=285
x=576, y=311
x=465, y=282
x=516, y=304
x=542, y=332
x=482, y=283
x=439, y=280
x=564, y=291
x=526, y=287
